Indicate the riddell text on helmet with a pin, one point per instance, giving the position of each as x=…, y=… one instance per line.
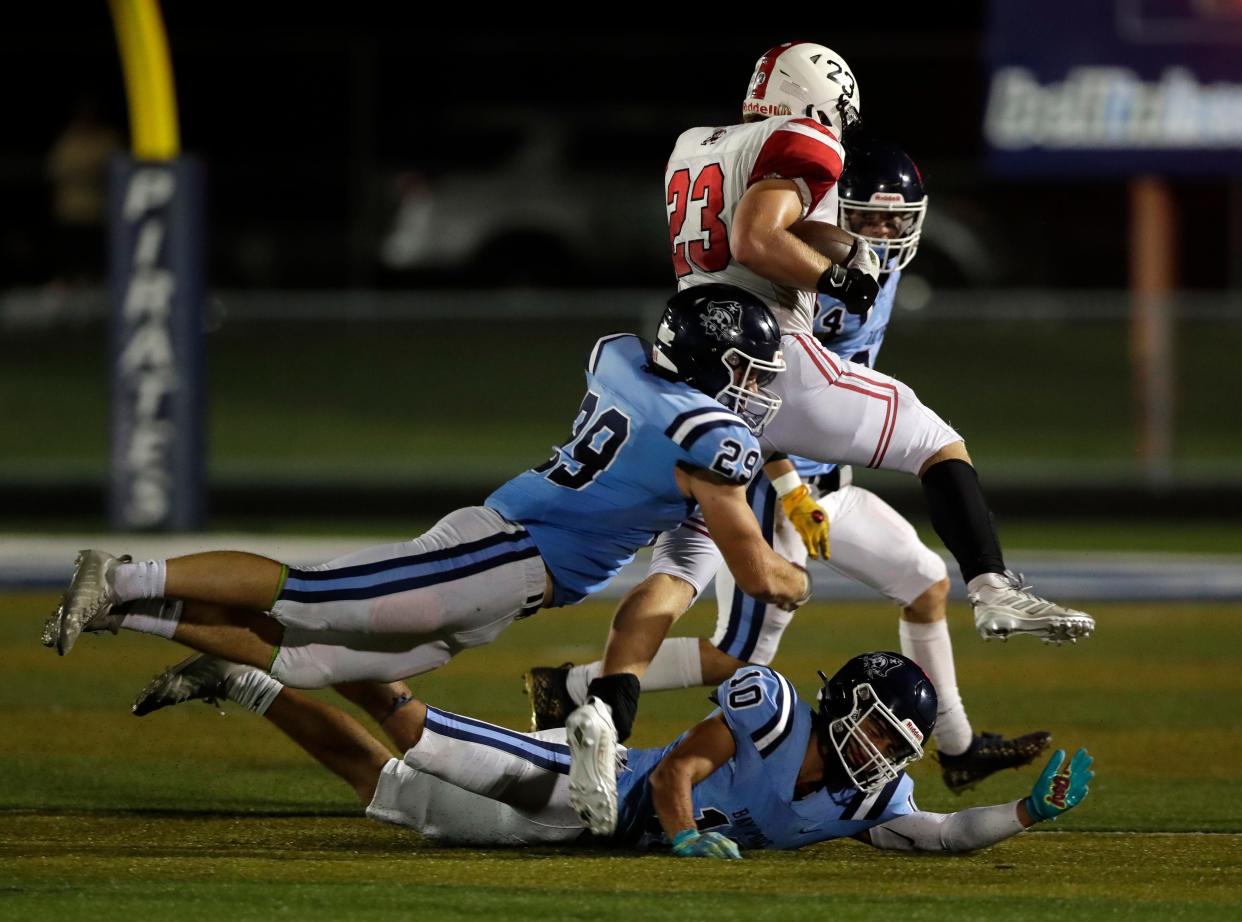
x=757, y=108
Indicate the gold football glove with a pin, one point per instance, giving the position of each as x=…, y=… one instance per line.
x=809, y=519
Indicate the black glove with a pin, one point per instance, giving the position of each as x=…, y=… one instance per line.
x=852, y=287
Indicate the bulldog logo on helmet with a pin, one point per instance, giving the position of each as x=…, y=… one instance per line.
x=721, y=318
x=878, y=665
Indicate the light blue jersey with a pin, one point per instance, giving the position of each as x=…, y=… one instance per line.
x=750, y=798
x=854, y=338
x=610, y=489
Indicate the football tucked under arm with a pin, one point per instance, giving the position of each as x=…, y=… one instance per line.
x=842, y=247
x=827, y=240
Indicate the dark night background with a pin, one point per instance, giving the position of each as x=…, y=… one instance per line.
x=309, y=128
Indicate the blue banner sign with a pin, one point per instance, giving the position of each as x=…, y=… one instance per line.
x=1115, y=87
x=156, y=286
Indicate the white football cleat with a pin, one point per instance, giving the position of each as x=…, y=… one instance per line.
x=1004, y=608
x=592, y=739
x=200, y=677
x=86, y=604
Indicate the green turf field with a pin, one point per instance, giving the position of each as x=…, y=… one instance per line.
x=186, y=814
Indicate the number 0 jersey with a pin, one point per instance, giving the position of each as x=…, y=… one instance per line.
x=750, y=798
x=611, y=489
x=710, y=170
x=857, y=339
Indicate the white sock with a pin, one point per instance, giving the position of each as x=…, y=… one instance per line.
x=929, y=646
x=142, y=580
x=580, y=677
x=154, y=616
x=677, y=664
x=253, y=689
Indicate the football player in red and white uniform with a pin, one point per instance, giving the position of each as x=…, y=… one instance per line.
x=732, y=194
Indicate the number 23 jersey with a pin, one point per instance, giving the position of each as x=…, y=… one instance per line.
x=750, y=798
x=611, y=488
x=710, y=170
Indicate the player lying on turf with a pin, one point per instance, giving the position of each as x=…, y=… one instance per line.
x=662, y=427
x=764, y=770
x=884, y=202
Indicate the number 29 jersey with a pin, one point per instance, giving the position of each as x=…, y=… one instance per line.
x=710, y=170
x=611, y=488
x=750, y=798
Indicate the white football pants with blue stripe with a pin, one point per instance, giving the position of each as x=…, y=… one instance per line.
x=869, y=541
x=468, y=782
x=398, y=610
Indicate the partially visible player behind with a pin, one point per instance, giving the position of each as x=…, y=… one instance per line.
x=763, y=771
x=884, y=202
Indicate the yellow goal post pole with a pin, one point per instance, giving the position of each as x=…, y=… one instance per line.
x=154, y=130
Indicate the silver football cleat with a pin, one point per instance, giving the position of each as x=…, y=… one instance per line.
x=200, y=677
x=87, y=603
x=592, y=739
x=1004, y=608
x=111, y=622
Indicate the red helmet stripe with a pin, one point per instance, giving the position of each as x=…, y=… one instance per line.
x=766, y=64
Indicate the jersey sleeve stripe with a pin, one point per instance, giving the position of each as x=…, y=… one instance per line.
x=881, y=801
x=804, y=193
x=593, y=361
x=862, y=806
x=773, y=733
x=700, y=430
x=684, y=422
x=873, y=805
x=850, y=810
x=796, y=152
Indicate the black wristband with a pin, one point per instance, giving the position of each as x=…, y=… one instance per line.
x=620, y=693
x=831, y=280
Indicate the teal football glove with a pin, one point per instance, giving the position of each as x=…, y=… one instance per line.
x=690, y=844
x=1059, y=789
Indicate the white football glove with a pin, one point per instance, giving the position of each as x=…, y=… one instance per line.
x=865, y=259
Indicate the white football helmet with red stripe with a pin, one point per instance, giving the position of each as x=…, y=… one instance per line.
x=802, y=78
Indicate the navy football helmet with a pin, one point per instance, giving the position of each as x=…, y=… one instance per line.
x=723, y=341
x=874, y=714
x=883, y=200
